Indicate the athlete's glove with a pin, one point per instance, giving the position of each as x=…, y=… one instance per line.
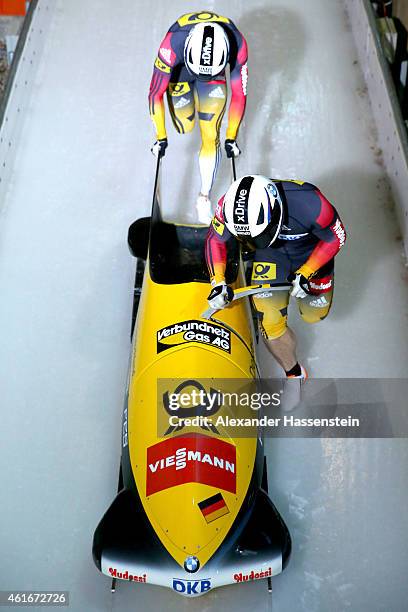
x=221, y=295
x=159, y=147
x=231, y=148
x=301, y=286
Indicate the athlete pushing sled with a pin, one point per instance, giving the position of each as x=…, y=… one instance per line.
x=190, y=67
x=294, y=233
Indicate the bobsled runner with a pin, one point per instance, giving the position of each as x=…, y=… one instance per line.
x=192, y=511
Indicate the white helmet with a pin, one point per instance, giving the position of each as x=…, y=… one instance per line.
x=206, y=50
x=253, y=210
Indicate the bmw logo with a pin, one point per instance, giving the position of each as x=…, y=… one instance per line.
x=272, y=189
x=191, y=564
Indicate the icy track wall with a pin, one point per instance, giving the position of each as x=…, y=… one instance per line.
x=391, y=129
x=13, y=109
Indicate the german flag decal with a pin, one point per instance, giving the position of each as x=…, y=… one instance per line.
x=214, y=507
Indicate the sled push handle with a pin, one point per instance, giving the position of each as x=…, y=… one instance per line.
x=234, y=172
x=248, y=291
x=156, y=178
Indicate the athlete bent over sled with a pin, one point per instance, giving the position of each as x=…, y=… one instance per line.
x=190, y=66
x=295, y=234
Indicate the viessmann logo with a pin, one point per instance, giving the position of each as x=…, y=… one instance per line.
x=193, y=331
x=193, y=458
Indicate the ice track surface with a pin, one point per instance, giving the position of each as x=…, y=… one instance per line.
x=83, y=172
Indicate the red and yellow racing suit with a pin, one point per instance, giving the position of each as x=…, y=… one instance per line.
x=311, y=235
x=186, y=95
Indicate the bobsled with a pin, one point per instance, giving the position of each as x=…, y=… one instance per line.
x=192, y=511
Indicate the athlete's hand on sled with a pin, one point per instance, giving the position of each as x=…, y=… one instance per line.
x=231, y=148
x=300, y=286
x=221, y=295
x=159, y=147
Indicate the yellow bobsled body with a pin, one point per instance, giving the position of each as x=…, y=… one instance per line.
x=190, y=510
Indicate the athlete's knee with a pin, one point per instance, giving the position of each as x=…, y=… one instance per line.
x=309, y=316
x=188, y=125
x=210, y=123
x=273, y=324
x=315, y=308
x=182, y=122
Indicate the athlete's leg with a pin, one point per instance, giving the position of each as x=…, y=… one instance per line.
x=180, y=98
x=211, y=99
x=284, y=349
x=279, y=338
x=272, y=306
